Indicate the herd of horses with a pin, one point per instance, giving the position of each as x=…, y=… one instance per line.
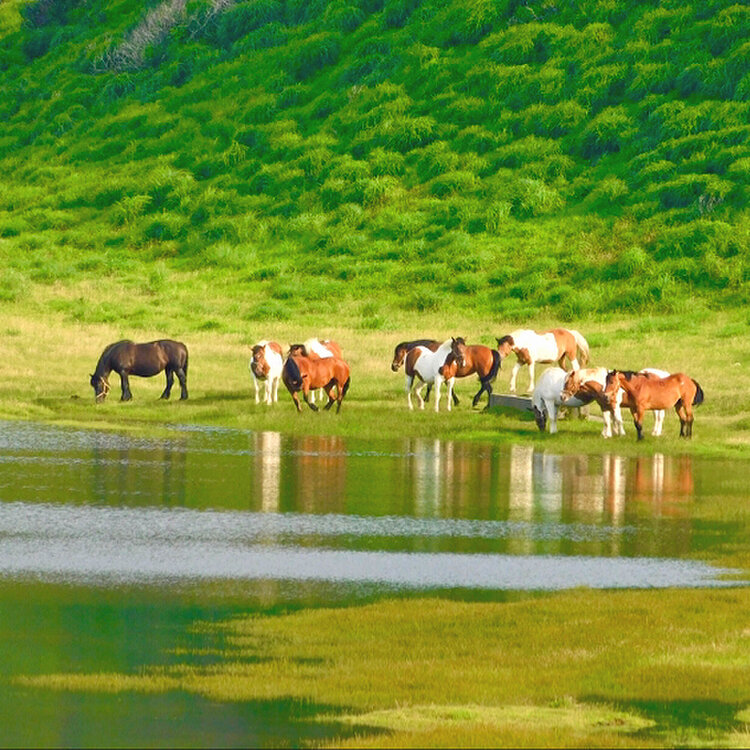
x=319, y=365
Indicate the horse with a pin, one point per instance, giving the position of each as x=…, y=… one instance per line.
x=425, y=365
x=302, y=372
x=265, y=365
x=547, y=346
x=591, y=382
x=547, y=398
x=314, y=347
x=646, y=392
x=466, y=360
x=402, y=349
x=145, y=360
x=587, y=384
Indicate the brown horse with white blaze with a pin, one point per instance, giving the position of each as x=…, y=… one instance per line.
x=465, y=360
x=303, y=373
x=645, y=393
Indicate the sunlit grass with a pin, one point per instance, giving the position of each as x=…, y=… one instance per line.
x=580, y=668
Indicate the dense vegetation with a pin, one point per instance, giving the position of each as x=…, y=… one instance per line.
x=518, y=156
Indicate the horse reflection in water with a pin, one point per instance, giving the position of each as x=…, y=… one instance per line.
x=319, y=474
x=267, y=485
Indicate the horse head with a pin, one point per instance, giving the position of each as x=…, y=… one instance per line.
x=505, y=345
x=101, y=387
x=458, y=350
x=258, y=363
x=612, y=385
x=398, y=356
x=540, y=417
x=571, y=386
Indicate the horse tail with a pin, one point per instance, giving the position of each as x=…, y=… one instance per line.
x=583, y=345
x=496, y=360
x=346, y=387
x=698, y=398
x=292, y=374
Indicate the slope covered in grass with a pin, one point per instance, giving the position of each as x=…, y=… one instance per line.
x=521, y=157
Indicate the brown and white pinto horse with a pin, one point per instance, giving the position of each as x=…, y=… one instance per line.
x=305, y=373
x=465, y=360
x=548, y=346
x=399, y=357
x=645, y=392
x=266, y=362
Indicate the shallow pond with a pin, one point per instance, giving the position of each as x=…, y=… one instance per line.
x=111, y=546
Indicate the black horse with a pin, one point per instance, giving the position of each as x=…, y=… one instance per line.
x=145, y=360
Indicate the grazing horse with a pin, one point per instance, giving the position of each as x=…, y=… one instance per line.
x=645, y=392
x=548, y=346
x=547, y=398
x=466, y=360
x=265, y=365
x=425, y=365
x=145, y=360
x=302, y=372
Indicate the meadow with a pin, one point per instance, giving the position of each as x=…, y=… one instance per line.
x=381, y=170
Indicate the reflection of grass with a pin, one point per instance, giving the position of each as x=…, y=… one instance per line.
x=580, y=668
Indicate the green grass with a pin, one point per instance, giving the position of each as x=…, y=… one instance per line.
x=575, y=669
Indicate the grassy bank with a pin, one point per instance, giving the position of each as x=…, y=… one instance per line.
x=576, y=669
x=48, y=352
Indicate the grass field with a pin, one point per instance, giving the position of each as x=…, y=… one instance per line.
x=580, y=668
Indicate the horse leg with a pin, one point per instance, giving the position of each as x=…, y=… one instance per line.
x=448, y=398
x=658, y=422
x=437, y=394
x=607, y=416
x=125, y=386
x=329, y=392
x=275, y=390
x=182, y=377
x=306, y=391
x=267, y=390
x=485, y=386
x=295, y=398
x=418, y=391
x=257, y=389
x=513, y=376
x=551, y=407
x=531, y=376
x=409, y=384
x=638, y=422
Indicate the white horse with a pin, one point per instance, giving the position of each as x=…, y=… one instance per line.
x=425, y=365
x=547, y=398
x=266, y=364
x=548, y=346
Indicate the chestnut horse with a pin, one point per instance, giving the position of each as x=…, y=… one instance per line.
x=265, y=365
x=548, y=346
x=145, y=360
x=323, y=349
x=465, y=360
x=647, y=392
x=304, y=373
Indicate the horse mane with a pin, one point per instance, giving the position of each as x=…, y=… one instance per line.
x=102, y=364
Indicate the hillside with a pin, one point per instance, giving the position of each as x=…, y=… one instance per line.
x=574, y=159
